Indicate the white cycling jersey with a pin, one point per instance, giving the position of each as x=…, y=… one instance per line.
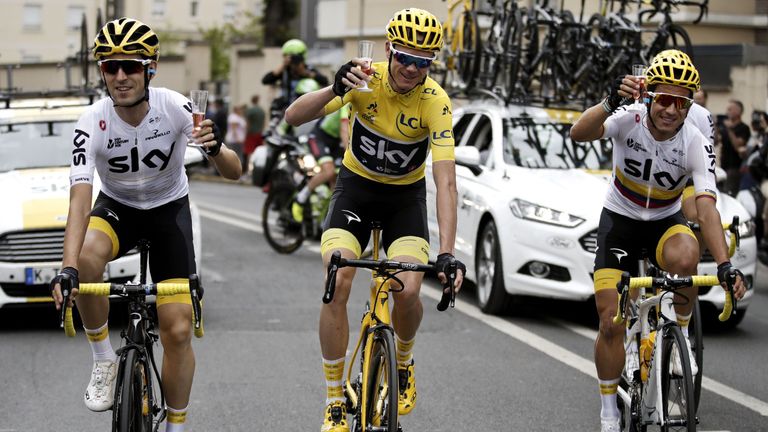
x=702, y=119
x=142, y=166
x=648, y=175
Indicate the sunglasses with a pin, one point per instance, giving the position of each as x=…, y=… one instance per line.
x=666, y=99
x=406, y=59
x=129, y=66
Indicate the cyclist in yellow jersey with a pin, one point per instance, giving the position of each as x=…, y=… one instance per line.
x=394, y=127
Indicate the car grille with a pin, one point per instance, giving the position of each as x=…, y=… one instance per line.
x=589, y=241
x=32, y=246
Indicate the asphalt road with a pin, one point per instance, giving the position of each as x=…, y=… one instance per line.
x=258, y=366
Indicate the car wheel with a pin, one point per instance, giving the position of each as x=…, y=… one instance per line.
x=492, y=297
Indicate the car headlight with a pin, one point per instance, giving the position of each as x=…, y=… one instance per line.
x=747, y=229
x=538, y=213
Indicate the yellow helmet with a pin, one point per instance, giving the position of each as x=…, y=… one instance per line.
x=126, y=36
x=673, y=67
x=417, y=29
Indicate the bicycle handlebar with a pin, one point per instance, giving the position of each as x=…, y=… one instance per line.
x=669, y=283
x=732, y=228
x=383, y=266
x=192, y=287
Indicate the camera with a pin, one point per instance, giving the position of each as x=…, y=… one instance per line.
x=721, y=119
x=297, y=59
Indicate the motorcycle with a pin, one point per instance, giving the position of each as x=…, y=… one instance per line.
x=282, y=167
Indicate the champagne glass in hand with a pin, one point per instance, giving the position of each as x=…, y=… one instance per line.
x=199, y=100
x=638, y=70
x=365, y=52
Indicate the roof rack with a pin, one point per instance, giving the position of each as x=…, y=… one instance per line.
x=7, y=97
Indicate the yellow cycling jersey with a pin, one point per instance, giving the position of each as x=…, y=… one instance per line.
x=391, y=134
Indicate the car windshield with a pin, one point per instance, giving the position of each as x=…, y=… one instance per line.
x=532, y=144
x=35, y=145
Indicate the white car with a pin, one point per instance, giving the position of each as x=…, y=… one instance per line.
x=35, y=154
x=529, y=202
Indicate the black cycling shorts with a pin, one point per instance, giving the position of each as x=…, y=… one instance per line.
x=167, y=227
x=400, y=209
x=324, y=147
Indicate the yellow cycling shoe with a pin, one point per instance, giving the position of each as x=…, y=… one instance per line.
x=297, y=211
x=335, y=418
x=407, y=388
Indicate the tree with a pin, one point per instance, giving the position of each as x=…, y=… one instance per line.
x=220, y=40
x=277, y=18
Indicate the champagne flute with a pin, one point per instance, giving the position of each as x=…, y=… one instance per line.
x=365, y=52
x=638, y=71
x=199, y=100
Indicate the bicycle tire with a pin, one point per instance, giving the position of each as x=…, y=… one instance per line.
x=673, y=36
x=512, y=56
x=696, y=337
x=678, y=388
x=283, y=233
x=381, y=392
x=130, y=413
x=469, y=55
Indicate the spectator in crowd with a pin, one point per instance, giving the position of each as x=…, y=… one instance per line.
x=731, y=134
x=218, y=114
x=254, y=116
x=236, y=129
x=292, y=69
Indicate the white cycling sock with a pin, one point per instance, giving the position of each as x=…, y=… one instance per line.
x=608, y=389
x=303, y=195
x=334, y=377
x=101, y=347
x=404, y=350
x=176, y=419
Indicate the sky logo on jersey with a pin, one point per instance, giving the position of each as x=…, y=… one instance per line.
x=78, y=154
x=380, y=155
x=642, y=170
x=131, y=163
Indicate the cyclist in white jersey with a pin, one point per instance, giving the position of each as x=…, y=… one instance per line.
x=654, y=153
x=135, y=140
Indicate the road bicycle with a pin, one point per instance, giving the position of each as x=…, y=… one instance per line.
x=136, y=406
x=291, y=170
x=654, y=393
x=373, y=393
x=460, y=58
x=668, y=34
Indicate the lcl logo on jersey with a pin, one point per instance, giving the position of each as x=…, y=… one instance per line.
x=642, y=170
x=409, y=126
x=78, y=154
x=132, y=162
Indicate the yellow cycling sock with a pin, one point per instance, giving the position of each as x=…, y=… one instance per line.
x=608, y=389
x=176, y=419
x=683, y=321
x=404, y=351
x=101, y=347
x=334, y=372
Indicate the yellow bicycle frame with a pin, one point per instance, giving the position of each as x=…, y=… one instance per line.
x=377, y=314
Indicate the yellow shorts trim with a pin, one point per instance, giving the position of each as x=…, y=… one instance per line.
x=675, y=229
x=176, y=298
x=99, y=224
x=607, y=278
x=337, y=238
x=411, y=246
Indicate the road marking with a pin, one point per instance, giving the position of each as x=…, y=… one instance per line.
x=529, y=338
x=232, y=212
x=217, y=216
x=576, y=361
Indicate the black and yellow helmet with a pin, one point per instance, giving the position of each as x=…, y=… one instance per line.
x=673, y=67
x=417, y=29
x=126, y=36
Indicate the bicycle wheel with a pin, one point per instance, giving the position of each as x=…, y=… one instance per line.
x=679, y=406
x=131, y=411
x=511, y=56
x=696, y=337
x=282, y=232
x=381, y=392
x=469, y=53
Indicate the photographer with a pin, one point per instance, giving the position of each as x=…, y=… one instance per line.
x=291, y=71
x=732, y=135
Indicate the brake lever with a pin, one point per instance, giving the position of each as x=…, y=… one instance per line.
x=66, y=291
x=330, y=280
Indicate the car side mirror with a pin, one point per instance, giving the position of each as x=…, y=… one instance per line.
x=468, y=156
